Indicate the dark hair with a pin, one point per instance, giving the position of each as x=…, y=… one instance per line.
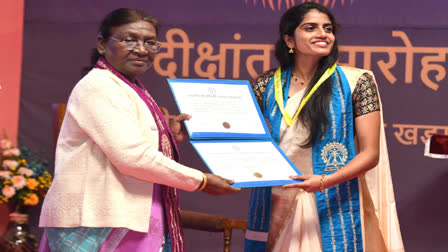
x=118, y=18
x=314, y=113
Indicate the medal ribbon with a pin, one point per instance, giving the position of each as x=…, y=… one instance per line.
x=279, y=93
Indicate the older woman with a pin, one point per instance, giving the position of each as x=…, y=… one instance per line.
x=116, y=172
x=327, y=119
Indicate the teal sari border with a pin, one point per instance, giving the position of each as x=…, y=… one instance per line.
x=338, y=206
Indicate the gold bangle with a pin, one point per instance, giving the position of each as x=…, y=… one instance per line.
x=322, y=183
x=204, y=183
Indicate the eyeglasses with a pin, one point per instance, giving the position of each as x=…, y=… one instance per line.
x=132, y=44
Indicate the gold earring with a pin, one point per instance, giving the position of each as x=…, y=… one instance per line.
x=291, y=51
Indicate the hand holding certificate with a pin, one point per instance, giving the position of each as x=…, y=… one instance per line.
x=228, y=132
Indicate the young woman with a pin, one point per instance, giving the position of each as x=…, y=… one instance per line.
x=327, y=119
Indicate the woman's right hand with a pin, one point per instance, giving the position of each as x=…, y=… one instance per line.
x=217, y=185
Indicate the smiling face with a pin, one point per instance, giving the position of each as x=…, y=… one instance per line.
x=130, y=63
x=313, y=37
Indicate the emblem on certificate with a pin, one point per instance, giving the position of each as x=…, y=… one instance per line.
x=226, y=125
x=258, y=175
x=334, y=156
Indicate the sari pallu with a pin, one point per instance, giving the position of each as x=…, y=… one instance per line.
x=165, y=205
x=338, y=206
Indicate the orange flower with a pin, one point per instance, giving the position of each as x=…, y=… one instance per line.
x=32, y=200
x=5, y=144
x=8, y=191
x=32, y=183
x=18, y=182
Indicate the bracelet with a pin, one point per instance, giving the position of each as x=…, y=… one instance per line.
x=322, y=183
x=203, y=184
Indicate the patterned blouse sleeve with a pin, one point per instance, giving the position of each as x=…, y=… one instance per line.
x=259, y=86
x=365, y=96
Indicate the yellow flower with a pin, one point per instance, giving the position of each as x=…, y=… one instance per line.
x=3, y=199
x=32, y=183
x=32, y=200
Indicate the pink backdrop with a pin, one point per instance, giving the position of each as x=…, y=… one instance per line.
x=11, y=33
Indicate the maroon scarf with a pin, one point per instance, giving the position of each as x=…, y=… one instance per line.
x=168, y=147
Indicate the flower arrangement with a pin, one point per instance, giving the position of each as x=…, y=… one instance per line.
x=24, y=181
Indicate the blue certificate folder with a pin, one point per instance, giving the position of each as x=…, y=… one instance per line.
x=229, y=133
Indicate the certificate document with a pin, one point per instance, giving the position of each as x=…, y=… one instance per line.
x=249, y=163
x=219, y=108
x=229, y=133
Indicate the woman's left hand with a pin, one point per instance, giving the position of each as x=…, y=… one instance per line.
x=177, y=126
x=311, y=183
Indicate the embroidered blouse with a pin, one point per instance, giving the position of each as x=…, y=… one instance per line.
x=365, y=95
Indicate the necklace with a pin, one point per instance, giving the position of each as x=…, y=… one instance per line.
x=301, y=83
x=279, y=93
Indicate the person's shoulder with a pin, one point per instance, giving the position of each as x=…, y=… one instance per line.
x=348, y=70
x=355, y=75
x=269, y=73
x=97, y=81
x=98, y=78
x=265, y=77
x=98, y=75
